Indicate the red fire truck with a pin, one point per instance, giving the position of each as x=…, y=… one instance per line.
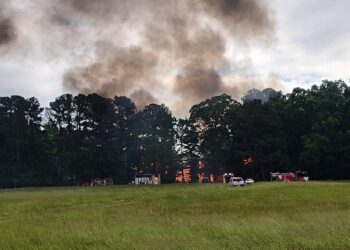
x=290, y=176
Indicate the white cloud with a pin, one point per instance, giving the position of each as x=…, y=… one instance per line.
x=313, y=42
x=36, y=79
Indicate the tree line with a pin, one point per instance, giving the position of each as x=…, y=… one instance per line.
x=87, y=136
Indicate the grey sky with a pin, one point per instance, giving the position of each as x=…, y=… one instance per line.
x=312, y=43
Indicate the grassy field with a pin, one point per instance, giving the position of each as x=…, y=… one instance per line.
x=313, y=215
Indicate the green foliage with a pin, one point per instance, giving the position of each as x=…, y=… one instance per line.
x=209, y=120
x=23, y=156
x=153, y=129
x=87, y=136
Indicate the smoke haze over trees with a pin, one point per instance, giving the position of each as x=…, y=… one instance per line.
x=86, y=136
x=151, y=51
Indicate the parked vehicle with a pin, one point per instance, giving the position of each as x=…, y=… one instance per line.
x=102, y=182
x=150, y=179
x=301, y=176
x=227, y=177
x=98, y=182
x=236, y=182
x=274, y=176
x=249, y=181
x=286, y=177
x=290, y=176
x=205, y=180
x=87, y=184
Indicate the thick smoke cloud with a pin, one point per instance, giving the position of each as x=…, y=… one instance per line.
x=151, y=50
x=7, y=31
x=7, y=27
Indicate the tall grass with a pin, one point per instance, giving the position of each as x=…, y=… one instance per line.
x=313, y=215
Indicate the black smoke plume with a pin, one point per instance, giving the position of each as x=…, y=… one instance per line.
x=177, y=52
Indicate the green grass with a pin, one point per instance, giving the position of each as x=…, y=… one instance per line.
x=313, y=215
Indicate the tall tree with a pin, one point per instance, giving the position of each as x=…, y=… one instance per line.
x=153, y=129
x=257, y=135
x=126, y=143
x=210, y=121
x=61, y=121
x=22, y=147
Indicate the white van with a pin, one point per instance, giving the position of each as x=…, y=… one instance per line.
x=236, y=182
